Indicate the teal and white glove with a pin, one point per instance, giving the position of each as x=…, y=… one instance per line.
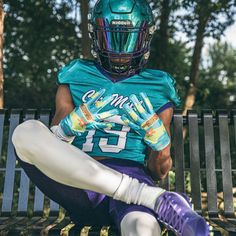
x=146, y=122
x=87, y=116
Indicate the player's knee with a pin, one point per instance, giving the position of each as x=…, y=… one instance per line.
x=26, y=133
x=138, y=224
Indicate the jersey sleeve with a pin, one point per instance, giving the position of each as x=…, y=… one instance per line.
x=65, y=73
x=171, y=91
x=164, y=107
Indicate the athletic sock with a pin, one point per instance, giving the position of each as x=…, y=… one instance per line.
x=132, y=191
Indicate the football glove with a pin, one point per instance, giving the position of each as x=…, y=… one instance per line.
x=87, y=116
x=146, y=122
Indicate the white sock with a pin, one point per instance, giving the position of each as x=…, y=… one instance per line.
x=132, y=191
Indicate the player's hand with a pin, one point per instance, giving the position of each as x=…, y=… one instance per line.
x=146, y=122
x=87, y=116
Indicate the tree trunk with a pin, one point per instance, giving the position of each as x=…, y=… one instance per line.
x=162, y=34
x=2, y=15
x=194, y=71
x=85, y=41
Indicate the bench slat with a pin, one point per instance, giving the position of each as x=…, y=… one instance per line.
x=10, y=165
x=55, y=227
x=224, y=225
x=21, y=227
x=226, y=163
x=27, y=226
x=178, y=143
x=39, y=224
x=38, y=201
x=45, y=118
x=39, y=196
x=52, y=225
x=2, y=119
x=210, y=163
x=234, y=122
x=194, y=160
x=11, y=223
x=25, y=182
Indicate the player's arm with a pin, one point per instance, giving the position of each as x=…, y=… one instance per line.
x=155, y=130
x=64, y=104
x=70, y=121
x=64, y=107
x=160, y=162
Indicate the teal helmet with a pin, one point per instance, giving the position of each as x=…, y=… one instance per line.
x=121, y=31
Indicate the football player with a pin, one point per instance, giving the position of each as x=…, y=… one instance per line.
x=108, y=113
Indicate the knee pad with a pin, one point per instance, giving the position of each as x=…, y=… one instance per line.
x=25, y=136
x=25, y=129
x=139, y=223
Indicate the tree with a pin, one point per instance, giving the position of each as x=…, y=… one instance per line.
x=163, y=12
x=40, y=37
x=167, y=53
x=203, y=18
x=85, y=40
x=2, y=15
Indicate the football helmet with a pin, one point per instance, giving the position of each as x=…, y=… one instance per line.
x=121, y=31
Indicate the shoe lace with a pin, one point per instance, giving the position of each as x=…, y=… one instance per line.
x=171, y=213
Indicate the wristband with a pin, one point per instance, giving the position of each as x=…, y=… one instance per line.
x=59, y=133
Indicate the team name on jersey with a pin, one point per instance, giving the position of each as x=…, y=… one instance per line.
x=118, y=100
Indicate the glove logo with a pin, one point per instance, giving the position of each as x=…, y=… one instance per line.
x=86, y=112
x=149, y=122
x=121, y=22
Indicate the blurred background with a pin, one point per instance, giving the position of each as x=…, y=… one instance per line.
x=195, y=41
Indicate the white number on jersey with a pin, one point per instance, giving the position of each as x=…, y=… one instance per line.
x=103, y=142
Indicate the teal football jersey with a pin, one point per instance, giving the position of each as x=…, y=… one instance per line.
x=84, y=78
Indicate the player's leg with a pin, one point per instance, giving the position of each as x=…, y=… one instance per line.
x=139, y=223
x=83, y=206
x=131, y=219
x=35, y=144
x=65, y=163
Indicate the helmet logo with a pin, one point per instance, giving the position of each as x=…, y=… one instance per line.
x=121, y=22
x=146, y=55
x=152, y=29
x=90, y=27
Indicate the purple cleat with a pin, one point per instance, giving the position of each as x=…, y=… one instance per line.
x=174, y=211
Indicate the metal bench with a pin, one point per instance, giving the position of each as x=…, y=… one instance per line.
x=209, y=180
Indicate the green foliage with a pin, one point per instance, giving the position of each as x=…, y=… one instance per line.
x=218, y=80
x=218, y=15
x=41, y=36
x=167, y=53
x=39, y=39
x=176, y=61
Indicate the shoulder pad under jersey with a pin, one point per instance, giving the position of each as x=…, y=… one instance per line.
x=71, y=73
x=166, y=83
